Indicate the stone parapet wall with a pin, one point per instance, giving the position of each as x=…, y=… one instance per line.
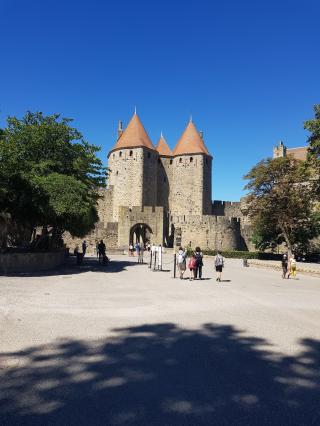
x=227, y=208
x=108, y=232
x=11, y=263
x=208, y=232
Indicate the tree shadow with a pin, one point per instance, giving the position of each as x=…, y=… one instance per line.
x=161, y=375
x=89, y=264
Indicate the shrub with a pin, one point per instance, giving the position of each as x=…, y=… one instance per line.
x=237, y=254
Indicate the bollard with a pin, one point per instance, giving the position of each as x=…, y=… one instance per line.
x=245, y=262
x=155, y=261
x=150, y=265
x=174, y=265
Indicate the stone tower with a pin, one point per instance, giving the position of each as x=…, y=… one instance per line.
x=165, y=173
x=280, y=150
x=132, y=163
x=191, y=183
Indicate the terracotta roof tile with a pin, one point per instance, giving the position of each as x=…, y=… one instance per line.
x=190, y=142
x=134, y=136
x=163, y=148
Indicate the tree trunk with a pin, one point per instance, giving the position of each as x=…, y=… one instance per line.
x=288, y=242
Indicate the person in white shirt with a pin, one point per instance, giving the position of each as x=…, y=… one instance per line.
x=219, y=264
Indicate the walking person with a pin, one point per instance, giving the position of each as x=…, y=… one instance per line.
x=292, y=266
x=84, y=247
x=199, y=259
x=138, y=249
x=131, y=250
x=181, y=262
x=219, y=264
x=141, y=253
x=284, y=264
x=102, y=251
x=192, y=267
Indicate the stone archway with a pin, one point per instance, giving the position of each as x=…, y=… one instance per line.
x=140, y=232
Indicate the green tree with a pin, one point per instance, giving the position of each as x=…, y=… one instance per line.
x=49, y=176
x=281, y=204
x=313, y=126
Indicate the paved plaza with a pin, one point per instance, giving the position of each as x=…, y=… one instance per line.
x=124, y=345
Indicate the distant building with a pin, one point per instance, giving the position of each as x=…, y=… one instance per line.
x=282, y=151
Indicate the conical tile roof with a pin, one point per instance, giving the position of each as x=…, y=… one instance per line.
x=163, y=148
x=190, y=142
x=134, y=136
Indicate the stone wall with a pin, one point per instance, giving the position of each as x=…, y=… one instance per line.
x=188, y=194
x=226, y=208
x=207, y=185
x=152, y=216
x=126, y=176
x=105, y=205
x=11, y=263
x=208, y=232
x=150, y=166
x=165, y=168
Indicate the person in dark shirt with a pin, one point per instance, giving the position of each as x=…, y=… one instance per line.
x=102, y=251
x=84, y=247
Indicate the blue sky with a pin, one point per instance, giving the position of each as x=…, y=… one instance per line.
x=247, y=71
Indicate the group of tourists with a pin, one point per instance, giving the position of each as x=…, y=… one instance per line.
x=194, y=262
x=289, y=266
x=139, y=249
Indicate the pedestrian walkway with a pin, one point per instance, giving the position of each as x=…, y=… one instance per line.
x=128, y=345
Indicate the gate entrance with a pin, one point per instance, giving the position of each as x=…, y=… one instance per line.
x=140, y=233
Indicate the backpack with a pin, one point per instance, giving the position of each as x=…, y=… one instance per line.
x=181, y=258
x=219, y=260
x=192, y=263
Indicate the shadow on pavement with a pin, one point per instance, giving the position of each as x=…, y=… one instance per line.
x=89, y=264
x=161, y=375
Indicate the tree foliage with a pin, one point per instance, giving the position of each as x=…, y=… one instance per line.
x=281, y=203
x=313, y=126
x=49, y=175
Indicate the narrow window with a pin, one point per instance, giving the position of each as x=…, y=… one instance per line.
x=149, y=155
x=164, y=180
x=120, y=154
x=130, y=153
x=180, y=160
x=171, y=161
x=117, y=173
x=113, y=155
x=159, y=160
x=191, y=159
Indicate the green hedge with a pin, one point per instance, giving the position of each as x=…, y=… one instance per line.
x=237, y=254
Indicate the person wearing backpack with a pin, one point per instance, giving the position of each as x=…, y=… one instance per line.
x=218, y=263
x=192, y=266
x=181, y=262
x=199, y=259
